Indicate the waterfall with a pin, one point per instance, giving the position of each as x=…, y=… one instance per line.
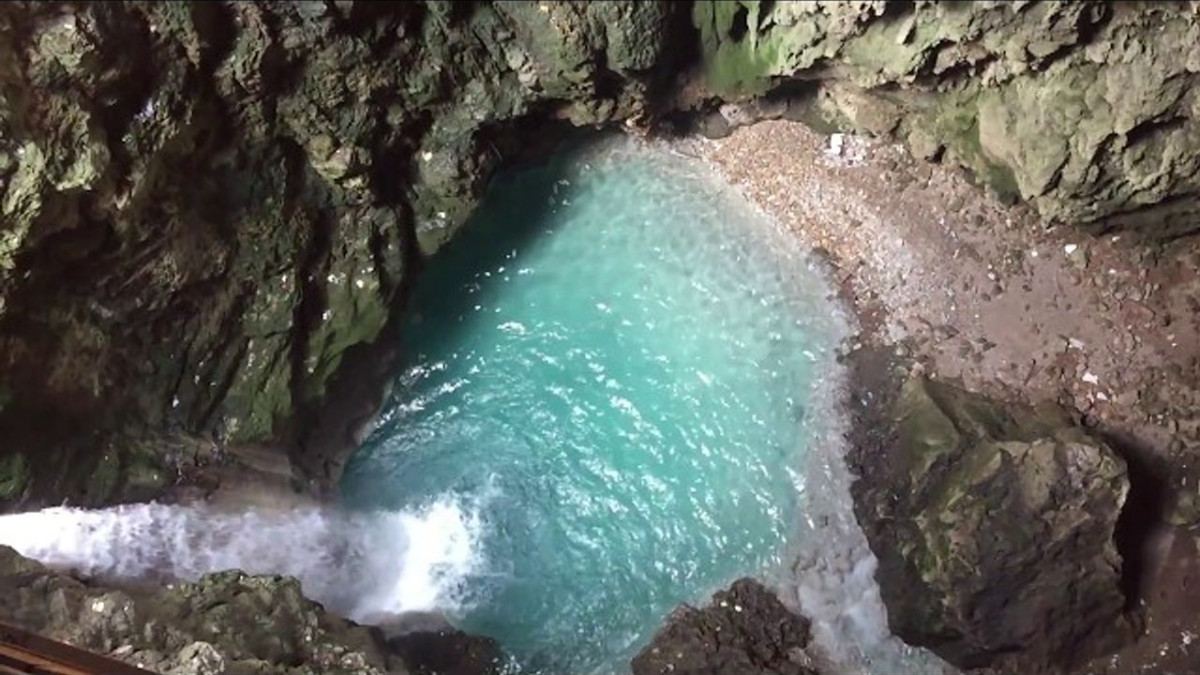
x=367, y=566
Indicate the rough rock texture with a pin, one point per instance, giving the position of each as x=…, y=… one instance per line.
x=1088, y=110
x=745, y=630
x=227, y=623
x=210, y=210
x=994, y=528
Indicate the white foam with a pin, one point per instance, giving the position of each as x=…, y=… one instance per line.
x=832, y=580
x=367, y=566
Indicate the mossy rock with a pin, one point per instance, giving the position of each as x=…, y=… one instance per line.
x=15, y=476
x=996, y=522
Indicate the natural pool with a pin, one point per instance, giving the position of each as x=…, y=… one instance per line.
x=607, y=404
x=620, y=396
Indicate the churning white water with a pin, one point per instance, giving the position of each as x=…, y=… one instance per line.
x=366, y=566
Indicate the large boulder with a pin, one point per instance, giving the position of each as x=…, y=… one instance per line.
x=745, y=630
x=994, y=528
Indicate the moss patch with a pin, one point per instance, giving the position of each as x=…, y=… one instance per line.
x=14, y=476
x=738, y=59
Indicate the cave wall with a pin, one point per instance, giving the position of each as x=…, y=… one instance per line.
x=1087, y=110
x=210, y=211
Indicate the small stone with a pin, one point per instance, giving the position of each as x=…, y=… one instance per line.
x=836, y=143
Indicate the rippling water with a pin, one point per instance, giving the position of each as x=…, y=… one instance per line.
x=613, y=365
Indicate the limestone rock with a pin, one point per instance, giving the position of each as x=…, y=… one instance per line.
x=1087, y=110
x=994, y=528
x=224, y=623
x=745, y=630
x=208, y=213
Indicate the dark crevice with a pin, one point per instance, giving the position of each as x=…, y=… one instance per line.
x=608, y=83
x=765, y=18
x=739, y=26
x=898, y=8
x=679, y=60
x=311, y=274
x=1170, y=219
x=1090, y=22
x=1148, y=129
x=1142, y=519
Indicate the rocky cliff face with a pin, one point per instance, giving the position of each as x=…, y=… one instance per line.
x=1087, y=110
x=210, y=211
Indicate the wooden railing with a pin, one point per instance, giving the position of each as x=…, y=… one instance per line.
x=25, y=653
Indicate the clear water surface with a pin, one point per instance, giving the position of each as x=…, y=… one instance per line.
x=607, y=386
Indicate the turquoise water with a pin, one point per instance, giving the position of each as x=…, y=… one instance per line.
x=608, y=384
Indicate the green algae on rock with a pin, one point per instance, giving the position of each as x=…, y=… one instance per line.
x=237, y=193
x=14, y=476
x=997, y=521
x=1071, y=106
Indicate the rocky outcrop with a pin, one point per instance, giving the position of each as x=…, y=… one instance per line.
x=1090, y=111
x=745, y=630
x=210, y=211
x=994, y=528
x=224, y=623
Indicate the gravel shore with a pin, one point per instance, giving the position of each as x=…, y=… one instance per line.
x=948, y=281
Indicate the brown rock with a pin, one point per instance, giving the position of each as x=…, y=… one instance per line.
x=745, y=630
x=994, y=528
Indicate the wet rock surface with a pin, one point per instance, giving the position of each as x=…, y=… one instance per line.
x=745, y=630
x=225, y=623
x=211, y=211
x=994, y=526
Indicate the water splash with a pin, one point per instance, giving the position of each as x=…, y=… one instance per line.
x=368, y=566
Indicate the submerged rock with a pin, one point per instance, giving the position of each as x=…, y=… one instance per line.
x=745, y=630
x=994, y=528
